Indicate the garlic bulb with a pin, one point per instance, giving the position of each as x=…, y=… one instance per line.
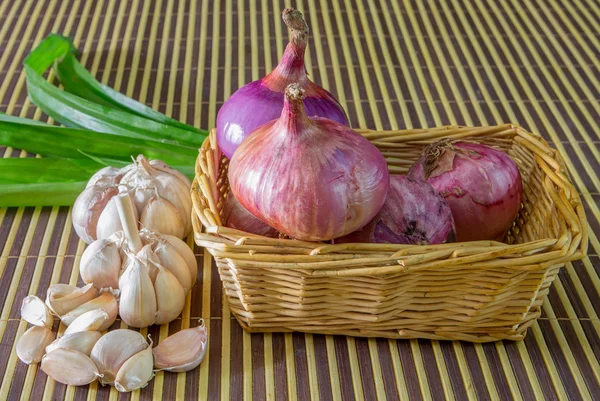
x=31, y=345
x=182, y=351
x=160, y=194
x=131, y=261
x=35, y=312
x=113, y=349
x=69, y=367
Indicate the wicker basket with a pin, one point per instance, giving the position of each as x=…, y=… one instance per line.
x=474, y=291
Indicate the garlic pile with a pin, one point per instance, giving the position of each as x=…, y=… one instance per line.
x=121, y=358
x=161, y=196
x=153, y=272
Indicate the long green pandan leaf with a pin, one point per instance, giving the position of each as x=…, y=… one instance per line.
x=31, y=170
x=74, y=111
x=70, y=143
x=40, y=194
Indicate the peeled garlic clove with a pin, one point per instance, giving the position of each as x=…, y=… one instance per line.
x=183, y=351
x=100, y=264
x=160, y=215
x=88, y=321
x=136, y=372
x=175, y=263
x=149, y=258
x=87, y=209
x=69, y=367
x=113, y=349
x=106, y=301
x=30, y=347
x=82, y=341
x=170, y=296
x=35, y=312
x=137, y=305
x=62, y=305
x=186, y=252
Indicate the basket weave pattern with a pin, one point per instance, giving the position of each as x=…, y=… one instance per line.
x=475, y=291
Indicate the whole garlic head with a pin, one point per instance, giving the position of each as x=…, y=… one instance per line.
x=160, y=194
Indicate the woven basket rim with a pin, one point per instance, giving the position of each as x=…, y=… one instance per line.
x=225, y=242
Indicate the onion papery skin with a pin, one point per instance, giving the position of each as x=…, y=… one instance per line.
x=310, y=178
x=413, y=213
x=481, y=184
x=261, y=101
x=235, y=216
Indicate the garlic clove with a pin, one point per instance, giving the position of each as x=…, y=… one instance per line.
x=178, y=194
x=165, y=168
x=61, y=304
x=113, y=349
x=35, y=312
x=106, y=301
x=100, y=264
x=170, y=296
x=88, y=321
x=82, y=341
x=136, y=372
x=108, y=222
x=175, y=263
x=183, y=351
x=186, y=252
x=141, y=197
x=69, y=367
x=162, y=216
x=149, y=258
x=31, y=345
x=137, y=305
x=88, y=208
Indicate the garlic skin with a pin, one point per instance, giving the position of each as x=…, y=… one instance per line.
x=106, y=301
x=182, y=351
x=95, y=216
x=136, y=372
x=137, y=306
x=34, y=311
x=82, y=341
x=88, y=321
x=170, y=296
x=113, y=349
x=69, y=367
x=31, y=345
x=100, y=264
x=61, y=301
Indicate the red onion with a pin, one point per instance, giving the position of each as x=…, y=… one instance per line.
x=481, y=184
x=235, y=216
x=261, y=101
x=413, y=213
x=310, y=178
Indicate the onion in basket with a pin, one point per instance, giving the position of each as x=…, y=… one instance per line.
x=413, y=213
x=235, y=216
x=310, y=178
x=481, y=184
x=261, y=101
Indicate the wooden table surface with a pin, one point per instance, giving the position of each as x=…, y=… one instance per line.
x=392, y=65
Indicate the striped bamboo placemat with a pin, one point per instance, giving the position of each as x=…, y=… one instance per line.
x=392, y=65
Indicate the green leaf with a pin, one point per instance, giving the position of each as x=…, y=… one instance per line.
x=38, y=170
x=75, y=111
x=40, y=194
x=66, y=142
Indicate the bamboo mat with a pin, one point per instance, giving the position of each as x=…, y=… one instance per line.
x=392, y=65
